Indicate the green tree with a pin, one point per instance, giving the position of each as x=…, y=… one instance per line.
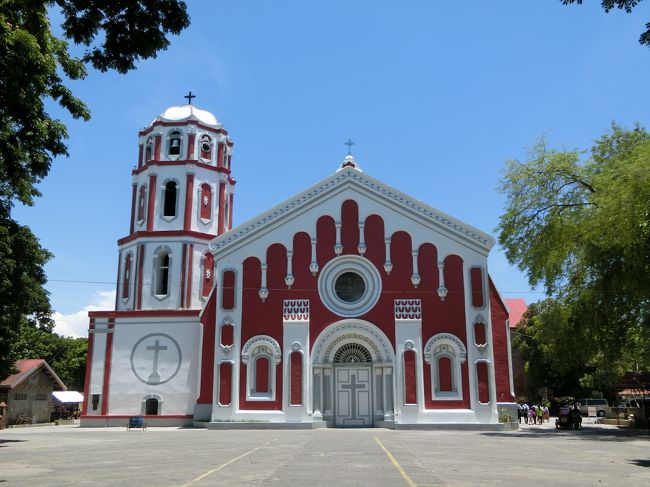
x=66, y=355
x=33, y=66
x=578, y=223
x=628, y=6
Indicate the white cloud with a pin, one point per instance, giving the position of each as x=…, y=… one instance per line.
x=76, y=324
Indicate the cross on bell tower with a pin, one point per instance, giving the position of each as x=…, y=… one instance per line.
x=189, y=97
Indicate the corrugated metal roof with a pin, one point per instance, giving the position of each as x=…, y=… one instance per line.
x=516, y=307
x=27, y=367
x=67, y=397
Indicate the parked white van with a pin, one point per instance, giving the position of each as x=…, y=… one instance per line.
x=600, y=404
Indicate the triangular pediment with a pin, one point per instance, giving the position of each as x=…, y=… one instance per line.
x=364, y=185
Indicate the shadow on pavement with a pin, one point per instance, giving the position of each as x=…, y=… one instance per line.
x=640, y=463
x=9, y=441
x=581, y=434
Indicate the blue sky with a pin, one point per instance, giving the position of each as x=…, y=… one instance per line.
x=436, y=95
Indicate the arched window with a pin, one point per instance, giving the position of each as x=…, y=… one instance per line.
x=262, y=369
x=261, y=354
x=208, y=274
x=148, y=149
x=126, y=280
x=206, y=146
x=142, y=202
x=152, y=405
x=445, y=353
x=162, y=273
x=169, y=205
x=174, y=147
x=445, y=378
x=206, y=202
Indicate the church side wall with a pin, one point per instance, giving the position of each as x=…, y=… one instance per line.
x=500, y=339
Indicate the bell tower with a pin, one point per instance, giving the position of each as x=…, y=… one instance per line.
x=182, y=197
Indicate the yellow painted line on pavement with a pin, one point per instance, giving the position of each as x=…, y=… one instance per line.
x=399, y=468
x=222, y=466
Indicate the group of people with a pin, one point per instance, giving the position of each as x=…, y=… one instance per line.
x=535, y=414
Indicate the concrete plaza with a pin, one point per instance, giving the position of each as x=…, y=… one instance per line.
x=535, y=455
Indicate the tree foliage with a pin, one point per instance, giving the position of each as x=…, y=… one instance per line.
x=578, y=223
x=628, y=6
x=66, y=355
x=34, y=65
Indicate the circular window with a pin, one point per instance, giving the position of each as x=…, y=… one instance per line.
x=349, y=285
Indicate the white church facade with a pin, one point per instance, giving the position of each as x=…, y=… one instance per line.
x=350, y=304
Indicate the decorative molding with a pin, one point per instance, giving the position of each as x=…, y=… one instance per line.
x=408, y=309
x=361, y=248
x=367, y=183
x=358, y=265
x=480, y=319
x=296, y=346
x=353, y=330
x=295, y=310
x=444, y=340
x=409, y=345
x=442, y=290
x=261, y=341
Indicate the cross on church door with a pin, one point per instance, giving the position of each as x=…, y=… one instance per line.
x=353, y=397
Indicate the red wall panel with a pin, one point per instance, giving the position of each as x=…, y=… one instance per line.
x=410, y=382
x=499, y=317
x=228, y=290
x=350, y=228
x=225, y=383
x=296, y=378
x=483, y=382
x=477, y=287
x=444, y=374
x=262, y=374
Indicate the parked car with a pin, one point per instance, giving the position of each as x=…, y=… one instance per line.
x=600, y=404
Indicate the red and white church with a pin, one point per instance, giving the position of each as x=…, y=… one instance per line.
x=350, y=304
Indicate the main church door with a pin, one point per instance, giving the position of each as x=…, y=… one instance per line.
x=353, y=387
x=353, y=397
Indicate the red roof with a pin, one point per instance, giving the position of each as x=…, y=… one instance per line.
x=27, y=367
x=516, y=307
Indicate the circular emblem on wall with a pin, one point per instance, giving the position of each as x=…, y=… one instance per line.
x=156, y=359
x=349, y=285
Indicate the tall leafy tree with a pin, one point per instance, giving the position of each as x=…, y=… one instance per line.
x=34, y=65
x=628, y=6
x=578, y=223
x=66, y=355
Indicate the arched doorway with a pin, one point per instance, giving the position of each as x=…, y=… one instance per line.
x=352, y=363
x=353, y=386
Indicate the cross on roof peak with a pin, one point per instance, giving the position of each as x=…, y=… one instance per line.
x=349, y=143
x=189, y=97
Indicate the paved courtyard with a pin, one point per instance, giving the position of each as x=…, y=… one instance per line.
x=535, y=455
